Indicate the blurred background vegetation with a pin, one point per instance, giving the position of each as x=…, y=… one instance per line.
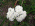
x=28, y=5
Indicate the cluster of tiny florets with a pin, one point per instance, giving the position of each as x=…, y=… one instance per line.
x=17, y=14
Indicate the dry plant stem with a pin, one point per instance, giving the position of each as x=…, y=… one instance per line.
x=16, y=2
x=15, y=5
x=22, y=3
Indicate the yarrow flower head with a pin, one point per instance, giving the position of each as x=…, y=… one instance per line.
x=10, y=9
x=10, y=14
x=18, y=8
x=21, y=16
x=18, y=14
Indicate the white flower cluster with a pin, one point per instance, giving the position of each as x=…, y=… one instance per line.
x=18, y=14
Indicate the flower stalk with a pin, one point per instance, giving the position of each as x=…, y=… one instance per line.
x=22, y=2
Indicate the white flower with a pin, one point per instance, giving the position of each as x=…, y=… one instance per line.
x=11, y=9
x=10, y=14
x=17, y=14
x=18, y=8
x=11, y=18
x=21, y=16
